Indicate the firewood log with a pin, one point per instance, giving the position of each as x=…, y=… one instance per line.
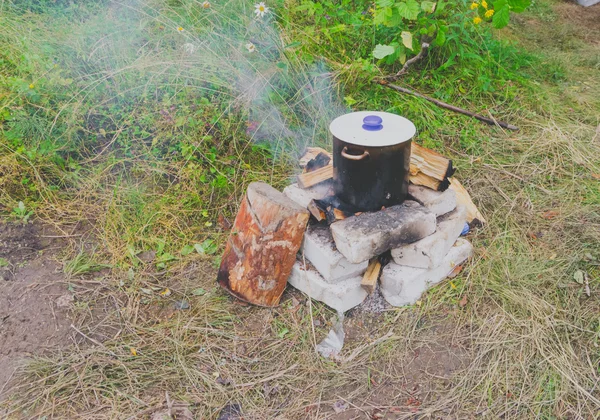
x=463, y=198
x=262, y=246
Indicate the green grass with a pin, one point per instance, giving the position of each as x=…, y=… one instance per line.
x=151, y=145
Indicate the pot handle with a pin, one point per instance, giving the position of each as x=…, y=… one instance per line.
x=354, y=157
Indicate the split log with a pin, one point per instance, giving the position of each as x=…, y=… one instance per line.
x=321, y=160
x=430, y=162
x=262, y=246
x=317, y=212
x=369, y=280
x=310, y=154
x=474, y=216
x=419, y=178
x=310, y=179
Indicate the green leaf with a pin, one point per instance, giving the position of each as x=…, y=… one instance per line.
x=440, y=37
x=501, y=17
x=4, y=262
x=382, y=51
x=409, y=9
x=428, y=6
x=198, y=292
x=385, y=3
x=187, y=250
x=578, y=276
x=208, y=247
x=518, y=6
x=407, y=39
x=283, y=332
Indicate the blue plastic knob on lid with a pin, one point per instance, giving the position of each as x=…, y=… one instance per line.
x=372, y=123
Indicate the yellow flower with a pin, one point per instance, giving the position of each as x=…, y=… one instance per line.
x=484, y=4
x=133, y=351
x=180, y=29
x=206, y=4
x=489, y=13
x=474, y=6
x=31, y=86
x=477, y=20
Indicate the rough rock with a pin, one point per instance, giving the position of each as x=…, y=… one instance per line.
x=436, y=201
x=340, y=296
x=367, y=235
x=318, y=247
x=430, y=251
x=402, y=285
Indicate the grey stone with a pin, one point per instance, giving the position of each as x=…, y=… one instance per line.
x=402, y=285
x=438, y=202
x=318, y=247
x=361, y=237
x=340, y=296
x=430, y=251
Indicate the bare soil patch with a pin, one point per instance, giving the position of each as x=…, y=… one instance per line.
x=31, y=285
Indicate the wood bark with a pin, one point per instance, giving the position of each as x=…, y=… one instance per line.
x=262, y=246
x=310, y=179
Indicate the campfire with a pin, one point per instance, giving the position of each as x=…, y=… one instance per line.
x=378, y=208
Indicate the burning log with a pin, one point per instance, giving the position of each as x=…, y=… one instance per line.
x=316, y=211
x=321, y=160
x=310, y=154
x=262, y=247
x=310, y=179
x=369, y=280
x=463, y=198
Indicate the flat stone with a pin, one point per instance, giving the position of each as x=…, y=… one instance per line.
x=437, y=202
x=340, y=296
x=430, y=251
x=361, y=237
x=402, y=285
x=318, y=247
x=304, y=196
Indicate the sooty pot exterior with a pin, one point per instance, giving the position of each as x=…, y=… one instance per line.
x=371, y=159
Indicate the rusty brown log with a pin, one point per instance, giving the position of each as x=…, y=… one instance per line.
x=262, y=246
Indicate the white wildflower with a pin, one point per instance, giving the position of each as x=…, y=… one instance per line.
x=206, y=4
x=189, y=48
x=250, y=47
x=261, y=9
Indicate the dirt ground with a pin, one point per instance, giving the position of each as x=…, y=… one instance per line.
x=34, y=298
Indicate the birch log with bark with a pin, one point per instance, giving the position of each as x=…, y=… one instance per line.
x=262, y=246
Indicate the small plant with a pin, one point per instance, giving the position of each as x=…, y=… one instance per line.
x=22, y=213
x=83, y=263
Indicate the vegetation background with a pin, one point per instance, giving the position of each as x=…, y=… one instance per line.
x=140, y=123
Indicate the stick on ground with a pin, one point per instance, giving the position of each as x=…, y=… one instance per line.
x=444, y=105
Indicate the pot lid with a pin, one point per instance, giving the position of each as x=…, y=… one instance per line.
x=372, y=128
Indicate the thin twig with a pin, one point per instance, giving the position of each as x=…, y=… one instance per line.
x=96, y=342
x=360, y=349
x=269, y=378
x=404, y=69
x=451, y=107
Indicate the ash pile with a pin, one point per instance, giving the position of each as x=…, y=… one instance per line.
x=378, y=209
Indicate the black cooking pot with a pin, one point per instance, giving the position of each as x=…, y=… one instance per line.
x=371, y=159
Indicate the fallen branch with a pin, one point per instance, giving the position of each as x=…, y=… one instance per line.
x=444, y=105
x=404, y=69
